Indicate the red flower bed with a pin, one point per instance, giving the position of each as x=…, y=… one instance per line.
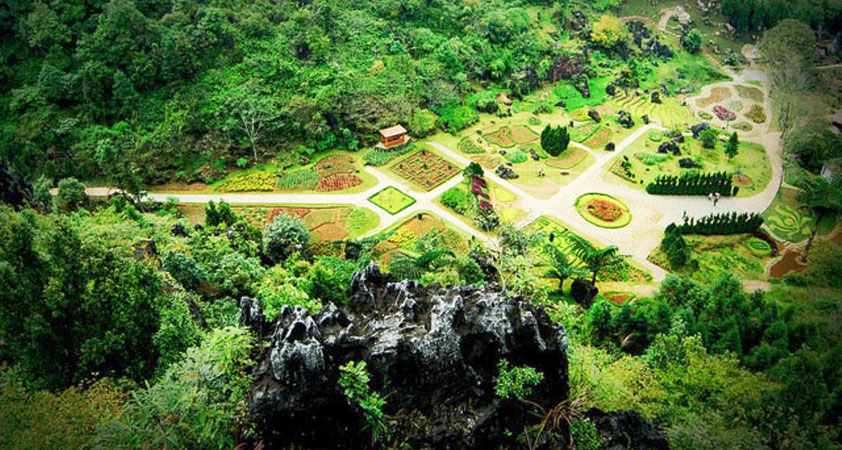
x=604, y=210
x=723, y=113
x=338, y=182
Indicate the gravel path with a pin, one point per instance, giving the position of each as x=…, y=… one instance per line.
x=650, y=214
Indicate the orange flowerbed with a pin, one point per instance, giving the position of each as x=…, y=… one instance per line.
x=604, y=210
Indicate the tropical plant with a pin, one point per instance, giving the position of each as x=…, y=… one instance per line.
x=595, y=259
x=285, y=235
x=354, y=381
x=405, y=266
x=560, y=265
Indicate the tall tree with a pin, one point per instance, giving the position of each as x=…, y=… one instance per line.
x=821, y=197
x=733, y=146
x=560, y=266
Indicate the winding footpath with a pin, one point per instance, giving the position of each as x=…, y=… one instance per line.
x=650, y=214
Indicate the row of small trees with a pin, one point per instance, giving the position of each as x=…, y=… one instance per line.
x=555, y=140
x=692, y=184
x=724, y=223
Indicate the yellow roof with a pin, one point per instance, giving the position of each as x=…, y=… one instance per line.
x=396, y=130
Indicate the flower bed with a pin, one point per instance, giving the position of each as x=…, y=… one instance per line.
x=717, y=95
x=469, y=147
x=759, y=247
x=723, y=113
x=425, y=168
x=304, y=179
x=500, y=138
x=523, y=135
x=603, y=210
x=568, y=158
x=252, y=182
x=338, y=182
x=756, y=114
x=600, y=138
x=749, y=93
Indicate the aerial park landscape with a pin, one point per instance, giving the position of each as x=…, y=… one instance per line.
x=423, y=225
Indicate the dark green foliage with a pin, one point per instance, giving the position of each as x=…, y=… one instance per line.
x=708, y=138
x=199, y=402
x=516, y=382
x=284, y=236
x=693, y=41
x=725, y=223
x=555, y=140
x=763, y=14
x=674, y=246
x=221, y=215
x=455, y=198
x=733, y=146
x=691, y=183
x=184, y=269
x=330, y=278
x=71, y=195
x=72, y=307
x=354, y=381
x=473, y=170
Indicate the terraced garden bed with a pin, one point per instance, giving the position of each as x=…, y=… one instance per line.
x=500, y=137
x=567, y=159
x=522, y=135
x=403, y=237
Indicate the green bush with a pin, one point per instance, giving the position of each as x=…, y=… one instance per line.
x=516, y=382
x=354, y=381
x=422, y=123
x=456, y=199
x=516, y=157
x=455, y=117
x=199, y=402
x=71, y=195
x=650, y=159
x=285, y=235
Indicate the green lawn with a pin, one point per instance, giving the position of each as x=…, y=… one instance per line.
x=392, y=200
x=788, y=221
x=712, y=257
x=751, y=162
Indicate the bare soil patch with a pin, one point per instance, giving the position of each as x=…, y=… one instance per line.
x=790, y=262
x=717, y=95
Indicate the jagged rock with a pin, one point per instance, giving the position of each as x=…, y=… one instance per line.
x=593, y=114
x=669, y=147
x=432, y=350
x=179, y=229
x=684, y=90
x=698, y=128
x=610, y=146
x=610, y=89
x=655, y=97
x=506, y=173
x=679, y=138
x=627, y=430
x=625, y=119
x=534, y=155
x=645, y=119
x=686, y=163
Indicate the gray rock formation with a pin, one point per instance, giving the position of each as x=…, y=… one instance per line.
x=432, y=350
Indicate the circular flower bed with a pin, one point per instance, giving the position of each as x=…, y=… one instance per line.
x=603, y=210
x=759, y=247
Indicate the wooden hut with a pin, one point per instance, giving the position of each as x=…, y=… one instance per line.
x=393, y=136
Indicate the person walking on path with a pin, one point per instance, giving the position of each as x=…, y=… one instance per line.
x=716, y=198
x=710, y=197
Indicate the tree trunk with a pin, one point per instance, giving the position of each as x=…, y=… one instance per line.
x=810, y=239
x=593, y=277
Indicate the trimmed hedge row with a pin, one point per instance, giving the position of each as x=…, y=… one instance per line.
x=692, y=184
x=725, y=223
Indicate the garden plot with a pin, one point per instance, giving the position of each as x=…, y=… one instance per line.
x=740, y=255
x=501, y=137
x=324, y=222
x=557, y=171
x=425, y=169
x=669, y=112
x=560, y=233
x=460, y=201
x=338, y=172
x=787, y=221
x=752, y=164
x=404, y=236
x=392, y=200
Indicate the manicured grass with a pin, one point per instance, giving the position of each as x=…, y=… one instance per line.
x=788, y=221
x=603, y=210
x=751, y=162
x=392, y=200
x=669, y=112
x=403, y=236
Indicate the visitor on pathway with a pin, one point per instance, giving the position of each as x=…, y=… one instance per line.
x=710, y=196
x=716, y=198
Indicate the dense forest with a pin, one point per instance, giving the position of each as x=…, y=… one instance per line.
x=122, y=323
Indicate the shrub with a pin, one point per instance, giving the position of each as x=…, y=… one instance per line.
x=675, y=247
x=708, y=138
x=456, y=199
x=650, y=159
x=693, y=41
x=354, y=381
x=285, y=235
x=516, y=157
x=455, y=117
x=198, y=403
x=691, y=183
x=724, y=223
x=554, y=140
x=422, y=123
x=756, y=114
x=71, y=195
x=486, y=219
x=516, y=382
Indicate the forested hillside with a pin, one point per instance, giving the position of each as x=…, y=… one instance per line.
x=161, y=87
